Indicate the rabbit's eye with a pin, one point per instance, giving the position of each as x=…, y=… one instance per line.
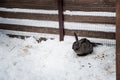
x=76, y=46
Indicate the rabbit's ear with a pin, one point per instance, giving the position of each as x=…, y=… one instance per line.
x=76, y=37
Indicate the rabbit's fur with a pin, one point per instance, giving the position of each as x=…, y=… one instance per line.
x=84, y=46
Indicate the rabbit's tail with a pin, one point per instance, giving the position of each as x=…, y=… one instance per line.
x=96, y=44
x=76, y=37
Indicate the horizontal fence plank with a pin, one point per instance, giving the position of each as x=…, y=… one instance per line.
x=28, y=6
x=90, y=19
x=90, y=8
x=29, y=28
x=54, y=17
x=65, y=1
x=94, y=34
x=32, y=2
x=90, y=1
x=82, y=33
x=29, y=16
x=87, y=5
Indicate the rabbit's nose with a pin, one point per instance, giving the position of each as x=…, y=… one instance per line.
x=76, y=48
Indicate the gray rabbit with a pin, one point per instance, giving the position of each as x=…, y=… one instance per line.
x=84, y=46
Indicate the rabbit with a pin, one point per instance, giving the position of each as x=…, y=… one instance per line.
x=84, y=46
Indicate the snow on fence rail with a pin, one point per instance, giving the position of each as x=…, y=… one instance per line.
x=31, y=11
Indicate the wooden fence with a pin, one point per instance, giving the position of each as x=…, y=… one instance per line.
x=74, y=5
x=85, y=5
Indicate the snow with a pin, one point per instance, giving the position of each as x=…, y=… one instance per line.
x=53, y=60
x=85, y=13
x=67, y=12
x=36, y=11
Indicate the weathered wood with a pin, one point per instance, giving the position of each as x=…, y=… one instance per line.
x=94, y=34
x=74, y=7
x=29, y=28
x=85, y=5
x=31, y=2
x=90, y=8
x=54, y=17
x=28, y=6
x=89, y=1
x=65, y=1
x=118, y=40
x=90, y=19
x=33, y=16
x=82, y=33
x=61, y=19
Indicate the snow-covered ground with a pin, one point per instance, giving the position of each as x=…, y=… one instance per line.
x=53, y=60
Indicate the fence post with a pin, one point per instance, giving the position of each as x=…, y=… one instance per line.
x=118, y=39
x=61, y=19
